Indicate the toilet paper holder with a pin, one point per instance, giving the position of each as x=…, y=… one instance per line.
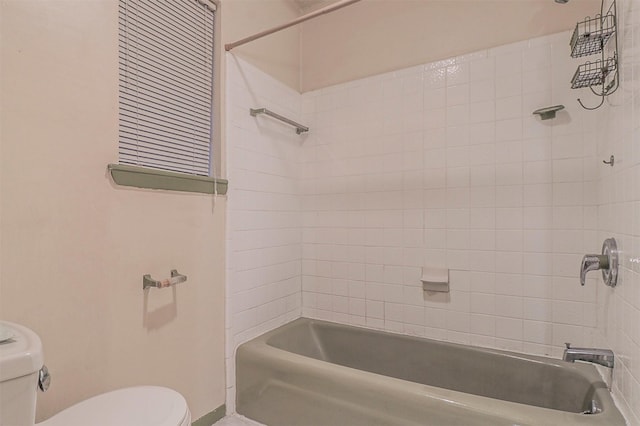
x=176, y=278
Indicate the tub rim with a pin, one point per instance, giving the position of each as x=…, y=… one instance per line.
x=515, y=411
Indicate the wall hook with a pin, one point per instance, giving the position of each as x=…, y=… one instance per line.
x=611, y=161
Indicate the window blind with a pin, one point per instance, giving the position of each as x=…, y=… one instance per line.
x=166, y=84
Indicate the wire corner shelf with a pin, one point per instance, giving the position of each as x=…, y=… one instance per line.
x=593, y=73
x=591, y=37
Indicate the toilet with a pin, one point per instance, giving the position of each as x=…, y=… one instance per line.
x=22, y=372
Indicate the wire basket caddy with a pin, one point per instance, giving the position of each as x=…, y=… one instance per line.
x=590, y=35
x=593, y=73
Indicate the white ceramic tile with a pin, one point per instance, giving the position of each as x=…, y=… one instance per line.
x=568, y=170
x=472, y=182
x=458, y=74
x=537, y=171
x=457, y=115
x=538, y=309
x=435, y=78
x=482, y=90
x=509, y=328
x=537, y=57
x=457, y=136
x=538, y=195
x=457, y=95
x=538, y=332
x=508, y=60
x=435, y=98
x=508, y=107
x=509, y=306
x=509, y=130
x=482, y=69
x=508, y=85
x=568, y=194
x=481, y=112
x=480, y=154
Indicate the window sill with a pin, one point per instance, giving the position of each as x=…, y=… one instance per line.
x=142, y=177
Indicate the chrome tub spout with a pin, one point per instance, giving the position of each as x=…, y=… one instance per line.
x=603, y=357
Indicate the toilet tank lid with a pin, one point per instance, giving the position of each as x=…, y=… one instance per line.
x=134, y=406
x=20, y=351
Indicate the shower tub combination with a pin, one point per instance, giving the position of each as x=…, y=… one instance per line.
x=311, y=372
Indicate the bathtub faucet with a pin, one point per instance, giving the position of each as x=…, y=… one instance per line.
x=597, y=356
x=592, y=262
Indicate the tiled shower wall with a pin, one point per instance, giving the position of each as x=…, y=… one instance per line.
x=444, y=165
x=618, y=133
x=440, y=165
x=263, y=215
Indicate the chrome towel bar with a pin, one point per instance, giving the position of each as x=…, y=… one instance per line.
x=299, y=127
x=176, y=278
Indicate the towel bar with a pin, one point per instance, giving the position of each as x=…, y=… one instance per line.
x=299, y=127
x=176, y=278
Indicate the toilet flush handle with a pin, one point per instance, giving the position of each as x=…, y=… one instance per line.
x=44, y=379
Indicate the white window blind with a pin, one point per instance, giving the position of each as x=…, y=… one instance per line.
x=166, y=84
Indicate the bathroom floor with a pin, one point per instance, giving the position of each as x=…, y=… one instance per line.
x=237, y=420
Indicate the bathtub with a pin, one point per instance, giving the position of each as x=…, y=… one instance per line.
x=311, y=372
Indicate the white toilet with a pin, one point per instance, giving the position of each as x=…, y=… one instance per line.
x=21, y=361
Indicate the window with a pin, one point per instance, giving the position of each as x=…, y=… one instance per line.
x=166, y=86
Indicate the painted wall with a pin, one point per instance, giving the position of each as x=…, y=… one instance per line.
x=74, y=246
x=376, y=36
x=278, y=54
x=264, y=237
x=618, y=192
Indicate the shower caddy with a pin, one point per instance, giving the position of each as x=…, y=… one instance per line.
x=589, y=38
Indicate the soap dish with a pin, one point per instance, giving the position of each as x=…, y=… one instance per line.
x=548, y=112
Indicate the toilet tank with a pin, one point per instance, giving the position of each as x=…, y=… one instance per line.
x=20, y=360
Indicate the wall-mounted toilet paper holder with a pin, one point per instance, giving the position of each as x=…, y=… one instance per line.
x=176, y=278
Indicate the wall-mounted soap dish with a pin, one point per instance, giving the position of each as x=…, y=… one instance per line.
x=548, y=112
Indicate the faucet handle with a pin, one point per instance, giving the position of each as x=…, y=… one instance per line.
x=607, y=262
x=568, y=345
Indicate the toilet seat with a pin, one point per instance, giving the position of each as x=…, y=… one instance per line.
x=135, y=406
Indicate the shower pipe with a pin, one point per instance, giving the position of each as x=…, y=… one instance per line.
x=311, y=15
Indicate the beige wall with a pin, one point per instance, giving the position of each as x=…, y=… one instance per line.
x=376, y=36
x=73, y=246
x=277, y=54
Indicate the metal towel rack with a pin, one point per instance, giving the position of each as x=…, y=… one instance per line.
x=299, y=127
x=176, y=278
